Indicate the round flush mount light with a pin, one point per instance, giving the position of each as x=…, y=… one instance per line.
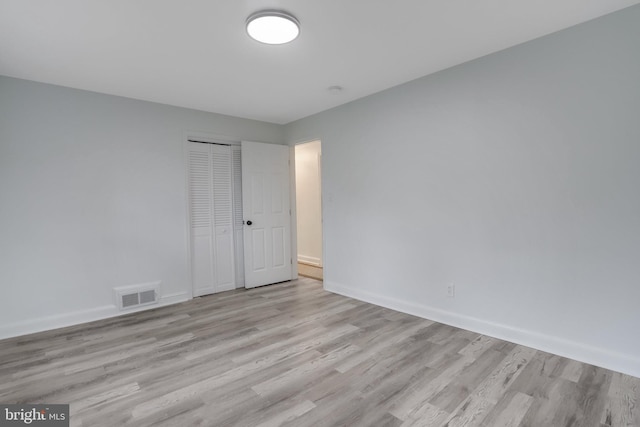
x=273, y=27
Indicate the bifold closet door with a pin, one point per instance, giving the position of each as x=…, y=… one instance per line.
x=236, y=166
x=211, y=218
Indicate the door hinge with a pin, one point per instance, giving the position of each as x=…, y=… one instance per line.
x=291, y=260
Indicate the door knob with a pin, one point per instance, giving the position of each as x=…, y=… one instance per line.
x=249, y=222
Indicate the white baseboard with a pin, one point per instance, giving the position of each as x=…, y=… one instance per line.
x=174, y=298
x=82, y=316
x=624, y=363
x=316, y=262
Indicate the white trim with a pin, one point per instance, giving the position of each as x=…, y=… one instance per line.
x=293, y=218
x=203, y=136
x=625, y=363
x=82, y=316
x=238, y=229
x=310, y=260
x=174, y=298
x=304, y=141
x=319, y=160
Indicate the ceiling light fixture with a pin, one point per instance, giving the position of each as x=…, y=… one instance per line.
x=273, y=27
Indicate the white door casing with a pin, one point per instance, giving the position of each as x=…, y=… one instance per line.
x=237, y=214
x=267, y=215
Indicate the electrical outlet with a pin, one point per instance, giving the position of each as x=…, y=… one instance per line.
x=451, y=290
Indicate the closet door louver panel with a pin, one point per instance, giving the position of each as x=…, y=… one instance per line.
x=200, y=202
x=223, y=217
x=236, y=166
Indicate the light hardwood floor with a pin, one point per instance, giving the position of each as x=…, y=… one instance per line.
x=293, y=354
x=311, y=271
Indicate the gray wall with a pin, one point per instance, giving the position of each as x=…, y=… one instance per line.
x=515, y=177
x=92, y=196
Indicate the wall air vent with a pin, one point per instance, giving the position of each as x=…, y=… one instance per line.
x=128, y=297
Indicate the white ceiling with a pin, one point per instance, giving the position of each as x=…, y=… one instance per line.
x=196, y=54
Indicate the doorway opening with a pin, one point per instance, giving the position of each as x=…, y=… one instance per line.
x=308, y=175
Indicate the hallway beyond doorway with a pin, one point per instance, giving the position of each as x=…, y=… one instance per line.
x=309, y=270
x=308, y=184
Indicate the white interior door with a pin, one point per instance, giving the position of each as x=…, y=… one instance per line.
x=267, y=215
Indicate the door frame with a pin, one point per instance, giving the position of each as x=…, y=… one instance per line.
x=294, y=215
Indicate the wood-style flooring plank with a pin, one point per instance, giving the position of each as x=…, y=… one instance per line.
x=622, y=407
x=292, y=354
